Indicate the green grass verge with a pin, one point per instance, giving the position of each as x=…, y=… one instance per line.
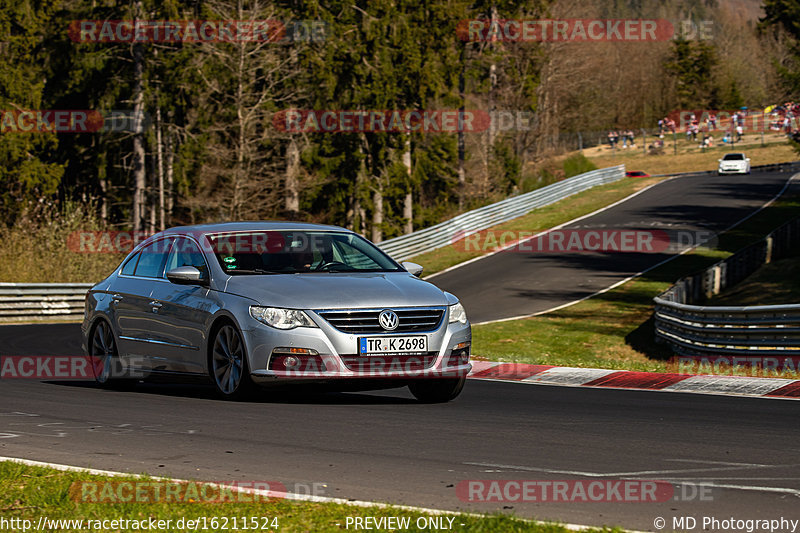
x=614, y=329
x=29, y=493
x=541, y=219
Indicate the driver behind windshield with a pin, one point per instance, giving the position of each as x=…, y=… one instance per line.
x=309, y=252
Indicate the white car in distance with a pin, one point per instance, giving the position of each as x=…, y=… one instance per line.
x=734, y=163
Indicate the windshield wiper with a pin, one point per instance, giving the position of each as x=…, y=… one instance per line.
x=332, y=268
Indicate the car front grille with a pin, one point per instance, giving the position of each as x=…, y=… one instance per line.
x=365, y=321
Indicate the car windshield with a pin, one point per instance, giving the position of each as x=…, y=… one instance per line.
x=291, y=252
x=733, y=157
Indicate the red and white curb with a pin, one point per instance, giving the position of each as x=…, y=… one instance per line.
x=627, y=379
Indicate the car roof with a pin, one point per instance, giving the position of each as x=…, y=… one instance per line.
x=261, y=225
x=200, y=230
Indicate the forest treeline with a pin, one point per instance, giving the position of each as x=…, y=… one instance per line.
x=192, y=127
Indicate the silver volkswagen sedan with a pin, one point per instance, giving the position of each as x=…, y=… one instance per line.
x=261, y=303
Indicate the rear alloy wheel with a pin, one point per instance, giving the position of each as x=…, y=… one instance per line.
x=437, y=390
x=104, y=357
x=229, y=363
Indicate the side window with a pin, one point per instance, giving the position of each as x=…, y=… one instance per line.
x=352, y=256
x=151, y=259
x=185, y=252
x=130, y=265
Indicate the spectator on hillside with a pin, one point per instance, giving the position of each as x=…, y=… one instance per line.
x=711, y=122
x=657, y=147
x=627, y=137
x=692, y=128
x=737, y=119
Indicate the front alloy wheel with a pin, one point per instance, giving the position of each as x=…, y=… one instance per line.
x=229, y=363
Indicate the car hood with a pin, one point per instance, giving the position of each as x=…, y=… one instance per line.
x=326, y=290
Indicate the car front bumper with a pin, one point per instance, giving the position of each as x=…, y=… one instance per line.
x=732, y=170
x=338, y=354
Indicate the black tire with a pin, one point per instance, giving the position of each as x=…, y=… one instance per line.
x=227, y=364
x=104, y=358
x=437, y=390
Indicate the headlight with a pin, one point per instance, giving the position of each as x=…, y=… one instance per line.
x=457, y=313
x=281, y=318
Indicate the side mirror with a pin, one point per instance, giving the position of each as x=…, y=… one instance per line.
x=186, y=275
x=413, y=268
x=747, y=159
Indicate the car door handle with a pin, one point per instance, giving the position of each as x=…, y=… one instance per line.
x=116, y=298
x=156, y=305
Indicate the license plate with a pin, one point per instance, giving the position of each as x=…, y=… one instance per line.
x=392, y=345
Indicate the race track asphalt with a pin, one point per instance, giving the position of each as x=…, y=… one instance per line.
x=518, y=282
x=383, y=446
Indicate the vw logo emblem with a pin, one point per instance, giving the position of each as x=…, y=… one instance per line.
x=388, y=320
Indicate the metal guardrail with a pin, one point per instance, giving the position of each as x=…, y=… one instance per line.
x=760, y=330
x=716, y=330
x=41, y=301
x=444, y=233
